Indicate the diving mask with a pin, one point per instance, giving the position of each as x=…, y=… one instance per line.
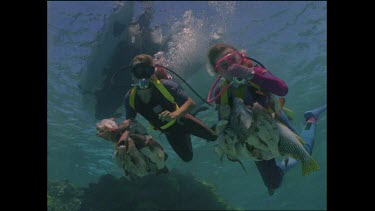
x=142, y=70
x=228, y=60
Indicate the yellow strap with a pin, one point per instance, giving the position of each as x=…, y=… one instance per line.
x=289, y=113
x=170, y=123
x=224, y=97
x=132, y=97
x=254, y=85
x=281, y=106
x=169, y=97
x=236, y=92
x=159, y=86
x=163, y=90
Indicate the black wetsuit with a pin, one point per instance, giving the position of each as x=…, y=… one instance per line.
x=178, y=135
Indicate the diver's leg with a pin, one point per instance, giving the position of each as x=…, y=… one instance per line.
x=181, y=144
x=271, y=174
x=197, y=128
x=307, y=134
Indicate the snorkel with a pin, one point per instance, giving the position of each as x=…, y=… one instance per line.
x=143, y=83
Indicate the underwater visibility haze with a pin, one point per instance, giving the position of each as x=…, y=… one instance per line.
x=88, y=41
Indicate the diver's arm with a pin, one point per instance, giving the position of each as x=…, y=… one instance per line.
x=259, y=76
x=124, y=125
x=267, y=81
x=181, y=98
x=185, y=108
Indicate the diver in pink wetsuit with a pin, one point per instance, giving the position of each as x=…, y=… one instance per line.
x=254, y=83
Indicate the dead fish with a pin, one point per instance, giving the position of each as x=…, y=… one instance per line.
x=107, y=129
x=256, y=127
x=139, y=154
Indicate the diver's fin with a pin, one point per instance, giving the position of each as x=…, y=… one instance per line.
x=315, y=112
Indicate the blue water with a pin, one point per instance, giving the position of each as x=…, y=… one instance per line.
x=289, y=38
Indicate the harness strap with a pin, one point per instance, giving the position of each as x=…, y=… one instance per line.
x=224, y=98
x=132, y=97
x=164, y=92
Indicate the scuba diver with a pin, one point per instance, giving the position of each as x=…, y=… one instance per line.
x=165, y=105
x=254, y=83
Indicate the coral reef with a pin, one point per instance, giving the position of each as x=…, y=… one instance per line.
x=63, y=196
x=172, y=191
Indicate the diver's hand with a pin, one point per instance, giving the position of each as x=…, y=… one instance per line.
x=125, y=124
x=239, y=71
x=168, y=116
x=123, y=139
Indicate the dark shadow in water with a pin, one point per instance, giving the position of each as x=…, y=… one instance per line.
x=172, y=191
